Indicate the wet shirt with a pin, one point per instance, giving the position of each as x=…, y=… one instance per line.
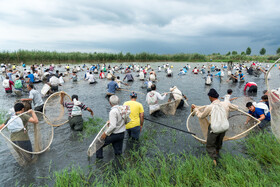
x=36, y=97
x=10, y=84
x=31, y=77
x=249, y=84
x=258, y=112
x=70, y=106
x=129, y=77
x=54, y=81
x=136, y=109
x=117, y=124
x=112, y=86
x=20, y=135
x=10, y=76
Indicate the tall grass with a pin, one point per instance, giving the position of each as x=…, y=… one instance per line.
x=31, y=57
x=262, y=168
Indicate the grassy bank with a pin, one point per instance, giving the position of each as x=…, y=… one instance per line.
x=31, y=57
x=140, y=168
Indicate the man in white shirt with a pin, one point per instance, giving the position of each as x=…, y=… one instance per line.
x=91, y=78
x=152, y=99
x=214, y=140
x=34, y=96
x=54, y=83
x=115, y=133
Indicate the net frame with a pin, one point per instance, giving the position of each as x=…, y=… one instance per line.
x=62, y=109
x=35, y=127
x=92, y=149
x=272, y=98
x=227, y=138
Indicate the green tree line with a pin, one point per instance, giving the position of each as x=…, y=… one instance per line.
x=30, y=57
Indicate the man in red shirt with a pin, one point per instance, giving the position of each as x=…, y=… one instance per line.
x=253, y=87
x=7, y=84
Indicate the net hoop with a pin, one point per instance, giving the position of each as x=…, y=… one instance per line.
x=90, y=152
x=34, y=153
x=225, y=139
x=44, y=107
x=266, y=76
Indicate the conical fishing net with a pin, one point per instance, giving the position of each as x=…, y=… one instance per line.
x=236, y=130
x=274, y=101
x=97, y=143
x=241, y=102
x=56, y=114
x=25, y=144
x=170, y=108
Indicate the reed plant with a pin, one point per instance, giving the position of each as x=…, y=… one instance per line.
x=45, y=57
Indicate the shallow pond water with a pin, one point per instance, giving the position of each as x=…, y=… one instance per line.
x=67, y=150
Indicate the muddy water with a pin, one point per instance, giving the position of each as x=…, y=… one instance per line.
x=66, y=150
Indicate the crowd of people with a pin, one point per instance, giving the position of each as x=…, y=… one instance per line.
x=23, y=79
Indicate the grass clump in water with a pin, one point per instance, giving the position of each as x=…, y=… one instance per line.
x=91, y=127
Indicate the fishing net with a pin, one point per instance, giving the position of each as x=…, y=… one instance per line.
x=26, y=144
x=97, y=143
x=170, y=108
x=56, y=114
x=274, y=102
x=241, y=102
x=237, y=128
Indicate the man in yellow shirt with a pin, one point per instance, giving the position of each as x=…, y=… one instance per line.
x=135, y=125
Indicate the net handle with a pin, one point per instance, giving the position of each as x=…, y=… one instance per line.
x=34, y=153
x=45, y=117
x=266, y=76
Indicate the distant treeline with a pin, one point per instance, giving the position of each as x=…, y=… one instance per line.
x=30, y=57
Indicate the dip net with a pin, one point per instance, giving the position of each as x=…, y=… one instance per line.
x=241, y=102
x=55, y=113
x=26, y=144
x=170, y=108
x=273, y=94
x=236, y=130
x=97, y=143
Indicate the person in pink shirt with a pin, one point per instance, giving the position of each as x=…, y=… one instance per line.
x=253, y=87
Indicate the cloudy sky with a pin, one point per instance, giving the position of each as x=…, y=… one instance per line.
x=154, y=26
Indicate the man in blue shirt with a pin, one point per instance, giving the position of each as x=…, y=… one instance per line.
x=30, y=77
x=112, y=86
x=260, y=113
x=241, y=76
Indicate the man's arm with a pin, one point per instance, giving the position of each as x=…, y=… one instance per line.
x=112, y=126
x=34, y=118
x=262, y=117
x=245, y=87
x=232, y=107
x=203, y=114
x=91, y=112
x=141, y=115
x=1, y=126
x=26, y=99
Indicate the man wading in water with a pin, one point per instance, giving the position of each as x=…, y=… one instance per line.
x=18, y=129
x=75, y=112
x=218, y=112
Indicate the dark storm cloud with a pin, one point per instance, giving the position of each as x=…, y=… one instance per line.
x=154, y=26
